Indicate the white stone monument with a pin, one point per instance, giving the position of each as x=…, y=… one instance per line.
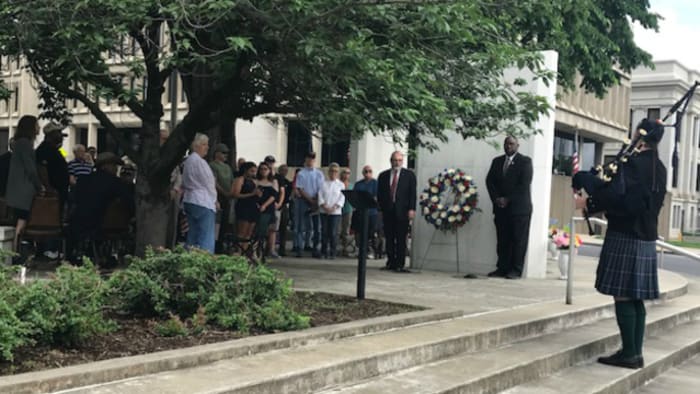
x=477, y=239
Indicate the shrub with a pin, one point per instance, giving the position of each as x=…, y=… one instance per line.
x=173, y=327
x=13, y=332
x=234, y=294
x=66, y=310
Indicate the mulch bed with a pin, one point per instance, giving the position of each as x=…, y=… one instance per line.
x=139, y=336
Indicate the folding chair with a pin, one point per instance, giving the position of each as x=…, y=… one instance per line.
x=254, y=248
x=44, y=222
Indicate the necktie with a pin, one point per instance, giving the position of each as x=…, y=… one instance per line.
x=506, y=163
x=394, y=182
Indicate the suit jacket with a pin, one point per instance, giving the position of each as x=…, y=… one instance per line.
x=405, y=192
x=513, y=185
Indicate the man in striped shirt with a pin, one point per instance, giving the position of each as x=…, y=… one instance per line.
x=79, y=166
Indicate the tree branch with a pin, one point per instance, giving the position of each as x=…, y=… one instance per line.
x=95, y=110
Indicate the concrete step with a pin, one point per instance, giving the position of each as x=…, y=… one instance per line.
x=316, y=367
x=502, y=368
x=683, y=379
x=663, y=350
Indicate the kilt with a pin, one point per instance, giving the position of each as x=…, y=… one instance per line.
x=627, y=267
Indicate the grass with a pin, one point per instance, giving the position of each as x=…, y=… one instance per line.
x=685, y=244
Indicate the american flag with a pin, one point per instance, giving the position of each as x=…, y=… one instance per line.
x=574, y=162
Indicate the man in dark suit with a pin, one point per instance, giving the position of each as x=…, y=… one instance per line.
x=396, y=194
x=508, y=182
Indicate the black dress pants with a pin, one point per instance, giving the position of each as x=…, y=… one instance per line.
x=513, y=232
x=396, y=232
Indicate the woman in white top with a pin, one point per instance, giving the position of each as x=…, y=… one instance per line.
x=330, y=201
x=199, y=187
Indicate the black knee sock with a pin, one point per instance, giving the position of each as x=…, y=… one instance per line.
x=640, y=325
x=625, y=312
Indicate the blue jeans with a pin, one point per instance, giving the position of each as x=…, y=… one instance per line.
x=330, y=234
x=305, y=223
x=201, y=223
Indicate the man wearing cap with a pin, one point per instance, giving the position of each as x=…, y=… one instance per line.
x=51, y=164
x=224, y=178
x=94, y=194
x=308, y=183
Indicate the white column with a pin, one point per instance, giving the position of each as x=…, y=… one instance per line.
x=92, y=135
x=282, y=139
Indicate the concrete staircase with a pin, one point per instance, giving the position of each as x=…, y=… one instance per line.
x=539, y=348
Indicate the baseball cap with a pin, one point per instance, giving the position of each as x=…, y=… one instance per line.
x=269, y=159
x=221, y=148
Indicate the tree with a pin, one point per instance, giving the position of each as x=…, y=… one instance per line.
x=344, y=67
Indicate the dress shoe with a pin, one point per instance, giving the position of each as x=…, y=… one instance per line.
x=513, y=275
x=402, y=270
x=497, y=274
x=386, y=268
x=618, y=360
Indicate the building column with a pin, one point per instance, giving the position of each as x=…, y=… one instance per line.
x=282, y=140
x=92, y=135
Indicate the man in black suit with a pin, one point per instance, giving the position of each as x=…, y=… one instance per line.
x=396, y=194
x=508, y=182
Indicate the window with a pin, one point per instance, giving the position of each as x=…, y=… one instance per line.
x=653, y=113
x=337, y=151
x=4, y=139
x=81, y=136
x=564, y=150
x=298, y=143
x=15, y=99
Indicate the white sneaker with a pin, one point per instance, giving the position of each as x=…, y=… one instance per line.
x=53, y=255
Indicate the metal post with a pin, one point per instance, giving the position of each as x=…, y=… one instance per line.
x=362, y=260
x=662, y=254
x=572, y=253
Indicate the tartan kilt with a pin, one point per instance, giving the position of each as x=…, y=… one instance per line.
x=627, y=267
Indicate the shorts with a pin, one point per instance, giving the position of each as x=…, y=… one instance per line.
x=21, y=214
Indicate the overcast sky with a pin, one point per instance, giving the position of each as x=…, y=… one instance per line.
x=679, y=32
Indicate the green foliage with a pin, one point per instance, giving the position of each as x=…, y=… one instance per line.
x=346, y=67
x=66, y=310
x=234, y=294
x=173, y=327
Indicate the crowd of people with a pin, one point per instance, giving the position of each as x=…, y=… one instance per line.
x=212, y=200
x=261, y=199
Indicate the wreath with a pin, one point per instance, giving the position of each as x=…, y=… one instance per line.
x=449, y=200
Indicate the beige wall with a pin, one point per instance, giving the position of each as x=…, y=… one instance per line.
x=562, y=201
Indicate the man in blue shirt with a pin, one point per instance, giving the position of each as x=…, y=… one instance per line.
x=367, y=184
x=308, y=183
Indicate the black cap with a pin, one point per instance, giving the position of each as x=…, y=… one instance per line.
x=654, y=130
x=269, y=159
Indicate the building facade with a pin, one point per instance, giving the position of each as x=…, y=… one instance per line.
x=653, y=94
x=271, y=134
x=599, y=124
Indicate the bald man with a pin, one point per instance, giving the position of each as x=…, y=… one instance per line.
x=396, y=194
x=508, y=183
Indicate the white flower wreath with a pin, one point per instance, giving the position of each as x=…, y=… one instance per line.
x=449, y=200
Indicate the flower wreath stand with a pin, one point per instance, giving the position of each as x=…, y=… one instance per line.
x=447, y=203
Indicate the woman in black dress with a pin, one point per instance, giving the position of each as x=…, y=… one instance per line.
x=627, y=268
x=246, y=194
x=267, y=183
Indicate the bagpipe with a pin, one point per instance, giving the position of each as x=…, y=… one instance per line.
x=611, y=174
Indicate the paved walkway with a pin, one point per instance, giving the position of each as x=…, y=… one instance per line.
x=440, y=290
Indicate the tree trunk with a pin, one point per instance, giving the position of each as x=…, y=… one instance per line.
x=152, y=216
